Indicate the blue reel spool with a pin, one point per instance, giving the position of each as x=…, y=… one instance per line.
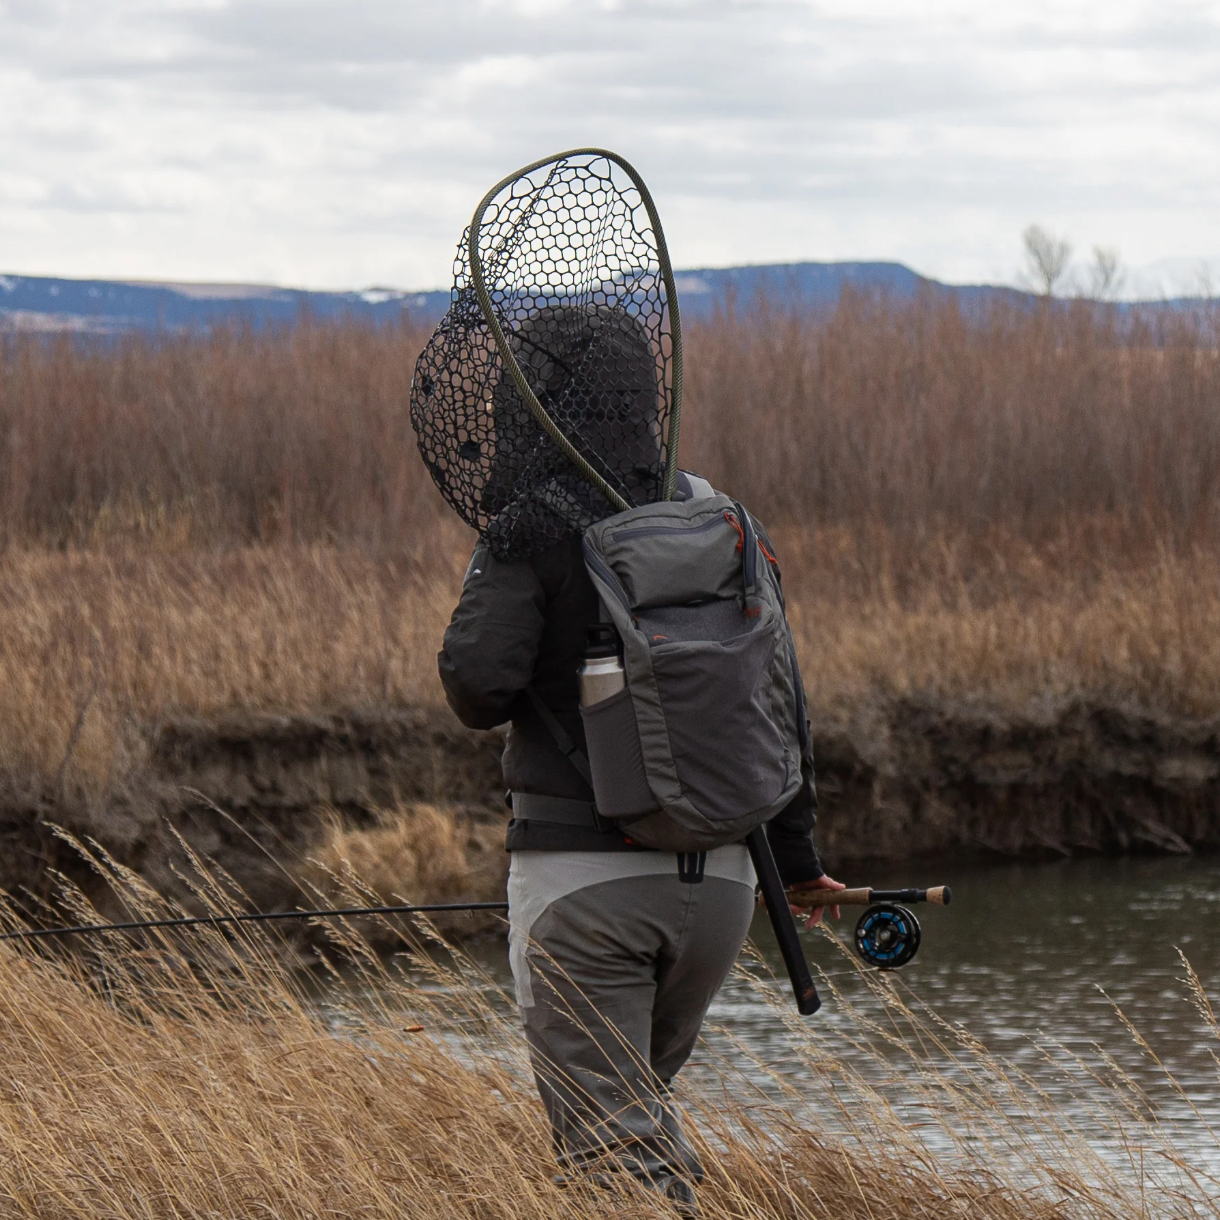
x=887, y=936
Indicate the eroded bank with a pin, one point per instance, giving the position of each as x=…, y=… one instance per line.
x=278, y=801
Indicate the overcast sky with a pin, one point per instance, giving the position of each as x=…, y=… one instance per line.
x=345, y=143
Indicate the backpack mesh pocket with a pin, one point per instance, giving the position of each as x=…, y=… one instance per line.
x=615, y=757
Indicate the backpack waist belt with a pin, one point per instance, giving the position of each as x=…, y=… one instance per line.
x=562, y=810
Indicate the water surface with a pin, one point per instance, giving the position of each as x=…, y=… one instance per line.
x=1026, y=956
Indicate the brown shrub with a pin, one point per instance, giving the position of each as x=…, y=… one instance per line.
x=905, y=413
x=239, y=436
x=917, y=417
x=1009, y=506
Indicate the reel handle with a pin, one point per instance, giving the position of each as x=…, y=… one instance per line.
x=862, y=896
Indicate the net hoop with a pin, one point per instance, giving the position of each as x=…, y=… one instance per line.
x=509, y=358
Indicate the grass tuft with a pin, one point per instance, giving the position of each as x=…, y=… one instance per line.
x=174, y=1075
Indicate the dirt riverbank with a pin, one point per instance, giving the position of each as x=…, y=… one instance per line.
x=261, y=795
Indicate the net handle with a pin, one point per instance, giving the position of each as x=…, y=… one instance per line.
x=510, y=360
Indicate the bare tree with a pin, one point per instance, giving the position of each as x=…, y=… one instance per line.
x=1106, y=275
x=1047, y=258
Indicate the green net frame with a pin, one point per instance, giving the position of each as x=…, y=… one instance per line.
x=550, y=395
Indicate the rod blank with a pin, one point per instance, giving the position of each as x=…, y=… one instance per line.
x=861, y=897
x=194, y=921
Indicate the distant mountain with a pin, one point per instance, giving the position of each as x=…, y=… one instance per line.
x=43, y=304
x=808, y=283
x=814, y=285
x=39, y=303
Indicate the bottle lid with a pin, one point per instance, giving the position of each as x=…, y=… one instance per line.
x=601, y=640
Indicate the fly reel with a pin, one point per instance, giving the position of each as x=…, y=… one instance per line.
x=887, y=936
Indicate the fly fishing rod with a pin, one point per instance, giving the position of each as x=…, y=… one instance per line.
x=195, y=921
x=887, y=935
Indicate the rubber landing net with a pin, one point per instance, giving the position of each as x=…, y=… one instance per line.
x=549, y=396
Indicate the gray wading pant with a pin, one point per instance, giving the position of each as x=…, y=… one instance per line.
x=615, y=968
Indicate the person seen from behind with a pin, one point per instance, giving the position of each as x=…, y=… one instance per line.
x=617, y=950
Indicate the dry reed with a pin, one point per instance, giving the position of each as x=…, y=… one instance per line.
x=923, y=419
x=1014, y=506
x=201, y=1077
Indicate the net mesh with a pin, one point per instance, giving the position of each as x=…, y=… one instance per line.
x=570, y=262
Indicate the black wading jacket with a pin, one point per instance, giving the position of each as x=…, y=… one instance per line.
x=523, y=623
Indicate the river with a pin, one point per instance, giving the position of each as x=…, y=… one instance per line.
x=1032, y=959
x=1031, y=953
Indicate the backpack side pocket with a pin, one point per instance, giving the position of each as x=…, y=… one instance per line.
x=616, y=759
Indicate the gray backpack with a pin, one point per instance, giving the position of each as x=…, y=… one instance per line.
x=704, y=742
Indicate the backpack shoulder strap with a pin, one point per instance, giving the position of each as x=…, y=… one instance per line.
x=692, y=487
x=559, y=735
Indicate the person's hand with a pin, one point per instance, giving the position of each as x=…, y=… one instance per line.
x=809, y=899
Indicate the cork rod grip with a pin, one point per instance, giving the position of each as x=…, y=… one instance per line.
x=863, y=896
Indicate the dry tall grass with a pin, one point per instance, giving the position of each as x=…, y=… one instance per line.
x=200, y=1077
x=413, y=853
x=922, y=419
x=1003, y=622
x=96, y=649
x=1012, y=506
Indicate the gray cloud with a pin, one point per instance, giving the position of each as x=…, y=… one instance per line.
x=343, y=144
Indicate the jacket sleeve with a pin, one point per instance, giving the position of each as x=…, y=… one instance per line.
x=790, y=832
x=491, y=645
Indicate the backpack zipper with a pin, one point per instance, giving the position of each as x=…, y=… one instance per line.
x=644, y=531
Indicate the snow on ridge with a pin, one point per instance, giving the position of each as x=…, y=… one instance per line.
x=218, y=292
